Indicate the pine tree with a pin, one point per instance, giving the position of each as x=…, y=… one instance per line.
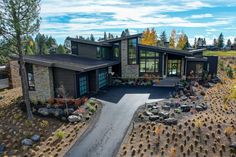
x=221, y=41
x=92, y=37
x=234, y=42
x=105, y=36
x=19, y=18
x=41, y=46
x=215, y=43
x=195, y=43
x=163, y=39
x=51, y=45
x=172, y=39
x=204, y=42
x=229, y=43
x=61, y=49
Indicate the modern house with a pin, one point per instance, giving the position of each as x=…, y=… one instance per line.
x=91, y=65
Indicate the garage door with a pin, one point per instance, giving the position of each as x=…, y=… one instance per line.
x=102, y=78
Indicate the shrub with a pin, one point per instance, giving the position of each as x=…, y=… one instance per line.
x=77, y=102
x=17, y=116
x=91, y=108
x=60, y=134
x=44, y=123
x=28, y=123
x=229, y=131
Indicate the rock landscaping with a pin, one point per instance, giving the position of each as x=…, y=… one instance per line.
x=53, y=130
x=198, y=120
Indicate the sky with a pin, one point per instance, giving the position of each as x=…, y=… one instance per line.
x=201, y=18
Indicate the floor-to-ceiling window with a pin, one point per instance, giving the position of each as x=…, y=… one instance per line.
x=149, y=62
x=102, y=78
x=83, y=84
x=132, y=51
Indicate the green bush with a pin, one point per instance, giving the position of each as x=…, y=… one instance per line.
x=91, y=108
x=60, y=134
x=230, y=72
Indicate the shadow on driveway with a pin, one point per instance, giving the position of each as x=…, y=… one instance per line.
x=103, y=139
x=114, y=94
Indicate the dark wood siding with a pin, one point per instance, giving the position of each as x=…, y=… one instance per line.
x=211, y=65
x=67, y=78
x=74, y=48
x=86, y=50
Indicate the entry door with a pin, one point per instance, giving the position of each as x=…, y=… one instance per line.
x=102, y=78
x=174, y=67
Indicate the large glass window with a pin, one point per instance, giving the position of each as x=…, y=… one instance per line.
x=116, y=51
x=83, y=87
x=149, y=62
x=102, y=78
x=102, y=52
x=30, y=75
x=132, y=51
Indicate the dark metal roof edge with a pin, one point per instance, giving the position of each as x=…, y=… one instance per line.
x=88, y=42
x=122, y=38
x=168, y=50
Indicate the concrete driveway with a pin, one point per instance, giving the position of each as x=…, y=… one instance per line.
x=120, y=103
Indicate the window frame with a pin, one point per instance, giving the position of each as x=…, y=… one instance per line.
x=155, y=57
x=129, y=59
x=30, y=70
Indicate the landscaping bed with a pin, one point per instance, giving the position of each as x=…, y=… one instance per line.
x=52, y=131
x=207, y=130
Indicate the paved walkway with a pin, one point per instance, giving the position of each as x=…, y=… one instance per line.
x=119, y=106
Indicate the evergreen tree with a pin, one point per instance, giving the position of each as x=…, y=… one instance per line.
x=51, y=45
x=229, y=43
x=92, y=37
x=81, y=37
x=41, y=46
x=215, y=43
x=195, y=43
x=172, y=39
x=163, y=39
x=234, y=42
x=20, y=18
x=204, y=42
x=61, y=49
x=221, y=41
x=105, y=36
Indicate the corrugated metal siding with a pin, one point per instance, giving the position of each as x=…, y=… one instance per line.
x=67, y=78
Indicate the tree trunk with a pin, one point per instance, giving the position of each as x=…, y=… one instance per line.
x=24, y=82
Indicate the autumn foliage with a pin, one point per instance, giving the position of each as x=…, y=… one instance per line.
x=149, y=37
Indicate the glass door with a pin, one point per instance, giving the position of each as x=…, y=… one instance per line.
x=174, y=67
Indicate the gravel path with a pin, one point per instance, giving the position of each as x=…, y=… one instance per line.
x=106, y=135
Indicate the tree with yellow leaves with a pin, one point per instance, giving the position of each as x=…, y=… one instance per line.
x=149, y=37
x=182, y=42
x=172, y=39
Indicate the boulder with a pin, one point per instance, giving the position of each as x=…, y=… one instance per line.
x=27, y=142
x=1, y=97
x=170, y=121
x=70, y=111
x=57, y=112
x=185, y=108
x=147, y=113
x=233, y=145
x=153, y=118
x=74, y=118
x=43, y=111
x=165, y=107
x=35, y=138
x=155, y=111
x=2, y=148
x=199, y=108
x=164, y=115
x=184, y=98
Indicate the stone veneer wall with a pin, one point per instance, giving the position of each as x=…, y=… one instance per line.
x=14, y=74
x=43, y=77
x=127, y=71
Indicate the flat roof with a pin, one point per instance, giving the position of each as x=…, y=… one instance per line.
x=167, y=50
x=70, y=62
x=89, y=42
